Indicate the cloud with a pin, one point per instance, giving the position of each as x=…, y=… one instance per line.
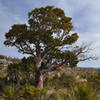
x=7, y=19
x=85, y=18
x=85, y=13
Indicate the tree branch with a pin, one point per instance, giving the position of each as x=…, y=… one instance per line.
x=22, y=49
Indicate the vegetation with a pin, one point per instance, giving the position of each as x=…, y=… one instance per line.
x=64, y=84
x=47, y=38
x=2, y=57
x=49, y=73
x=85, y=92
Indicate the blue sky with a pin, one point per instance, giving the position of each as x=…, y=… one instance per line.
x=85, y=18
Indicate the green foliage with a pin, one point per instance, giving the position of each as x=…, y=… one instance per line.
x=43, y=22
x=10, y=93
x=64, y=96
x=84, y=75
x=45, y=38
x=27, y=92
x=67, y=80
x=94, y=80
x=33, y=93
x=47, y=32
x=54, y=96
x=22, y=72
x=85, y=92
x=2, y=57
x=72, y=59
x=64, y=81
x=28, y=64
x=59, y=87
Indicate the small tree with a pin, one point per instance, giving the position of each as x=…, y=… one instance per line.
x=46, y=38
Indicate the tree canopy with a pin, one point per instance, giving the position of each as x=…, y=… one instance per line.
x=46, y=37
x=47, y=32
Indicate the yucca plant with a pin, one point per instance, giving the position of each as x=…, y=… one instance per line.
x=43, y=94
x=10, y=93
x=54, y=96
x=31, y=93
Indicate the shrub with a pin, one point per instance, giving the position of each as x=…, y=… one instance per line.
x=10, y=93
x=33, y=93
x=85, y=92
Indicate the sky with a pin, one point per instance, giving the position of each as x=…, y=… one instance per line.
x=85, y=18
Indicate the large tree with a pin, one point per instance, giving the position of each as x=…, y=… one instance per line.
x=45, y=37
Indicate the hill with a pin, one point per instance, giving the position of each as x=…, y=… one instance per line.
x=65, y=83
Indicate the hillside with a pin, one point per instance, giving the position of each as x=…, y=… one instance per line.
x=5, y=61
x=17, y=76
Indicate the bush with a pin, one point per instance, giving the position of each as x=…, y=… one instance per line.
x=85, y=92
x=2, y=57
x=23, y=72
x=33, y=93
x=10, y=93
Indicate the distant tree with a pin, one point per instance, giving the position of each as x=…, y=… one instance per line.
x=46, y=38
x=2, y=57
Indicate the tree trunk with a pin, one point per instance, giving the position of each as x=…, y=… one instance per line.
x=39, y=79
x=40, y=82
x=39, y=75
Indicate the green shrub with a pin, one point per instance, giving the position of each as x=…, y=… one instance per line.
x=23, y=72
x=54, y=96
x=94, y=80
x=85, y=92
x=64, y=81
x=33, y=93
x=10, y=93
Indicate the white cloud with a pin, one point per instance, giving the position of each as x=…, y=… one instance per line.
x=7, y=19
x=85, y=17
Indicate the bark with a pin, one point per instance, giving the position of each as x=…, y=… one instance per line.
x=39, y=75
x=39, y=79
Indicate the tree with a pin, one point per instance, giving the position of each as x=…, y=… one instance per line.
x=77, y=54
x=46, y=37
